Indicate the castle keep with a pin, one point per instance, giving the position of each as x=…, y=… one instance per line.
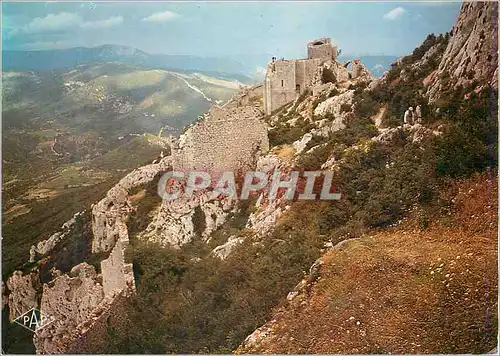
x=287, y=79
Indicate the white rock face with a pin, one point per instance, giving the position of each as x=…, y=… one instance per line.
x=264, y=220
x=224, y=250
x=472, y=52
x=22, y=293
x=388, y=135
x=215, y=215
x=110, y=212
x=333, y=105
x=268, y=163
x=174, y=223
x=416, y=133
x=69, y=301
x=301, y=144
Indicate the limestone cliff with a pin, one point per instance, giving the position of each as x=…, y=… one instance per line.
x=471, y=57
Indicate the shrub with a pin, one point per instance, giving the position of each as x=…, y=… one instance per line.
x=345, y=107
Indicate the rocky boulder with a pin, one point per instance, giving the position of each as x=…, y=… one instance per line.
x=23, y=294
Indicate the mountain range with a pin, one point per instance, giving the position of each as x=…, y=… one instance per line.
x=242, y=68
x=70, y=57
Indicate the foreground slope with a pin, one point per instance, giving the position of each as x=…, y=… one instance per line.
x=407, y=289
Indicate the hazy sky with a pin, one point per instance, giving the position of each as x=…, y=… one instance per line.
x=226, y=28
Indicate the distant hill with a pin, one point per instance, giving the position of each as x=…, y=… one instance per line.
x=71, y=57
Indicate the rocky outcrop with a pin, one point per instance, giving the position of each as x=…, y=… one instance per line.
x=116, y=274
x=472, y=52
x=263, y=220
x=76, y=301
x=23, y=293
x=224, y=250
x=109, y=214
x=177, y=222
x=337, y=107
x=301, y=144
x=45, y=246
x=69, y=302
x=412, y=133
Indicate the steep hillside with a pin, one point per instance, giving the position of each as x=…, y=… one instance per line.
x=471, y=57
x=408, y=289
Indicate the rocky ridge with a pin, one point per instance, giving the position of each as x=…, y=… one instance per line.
x=471, y=57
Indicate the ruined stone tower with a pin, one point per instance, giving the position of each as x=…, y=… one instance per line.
x=287, y=79
x=321, y=48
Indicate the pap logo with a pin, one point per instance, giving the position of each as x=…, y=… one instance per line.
x=33, y=320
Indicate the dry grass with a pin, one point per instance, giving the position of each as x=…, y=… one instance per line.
x=285, y=152
x=404, y=290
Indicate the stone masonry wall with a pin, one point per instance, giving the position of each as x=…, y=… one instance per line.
x=325, y=50
x=116, y=274
x=226, y=140
x=287, y=79
x=279, y=85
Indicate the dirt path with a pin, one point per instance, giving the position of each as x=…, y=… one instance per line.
x=378, y=117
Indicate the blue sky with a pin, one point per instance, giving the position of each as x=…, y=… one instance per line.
x=226, y=29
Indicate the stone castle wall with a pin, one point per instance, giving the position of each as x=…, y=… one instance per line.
x=287, y=79
x=226, y=140
x=116, y=274
x=77, y=303
x=321, y=48
x=247, y=97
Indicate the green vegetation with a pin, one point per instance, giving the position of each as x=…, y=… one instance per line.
x=285, y=133
x=210, y=305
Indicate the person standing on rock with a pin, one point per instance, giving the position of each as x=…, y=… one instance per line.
x=408, y=118
x=418, y=112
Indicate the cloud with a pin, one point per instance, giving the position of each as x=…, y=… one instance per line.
x=53, y=23
x=65, y=21
x=159, y=17
x=395, y=13
x=111, y=22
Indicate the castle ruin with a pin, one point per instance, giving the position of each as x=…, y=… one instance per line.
x=227, y=139
x=287, y=79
